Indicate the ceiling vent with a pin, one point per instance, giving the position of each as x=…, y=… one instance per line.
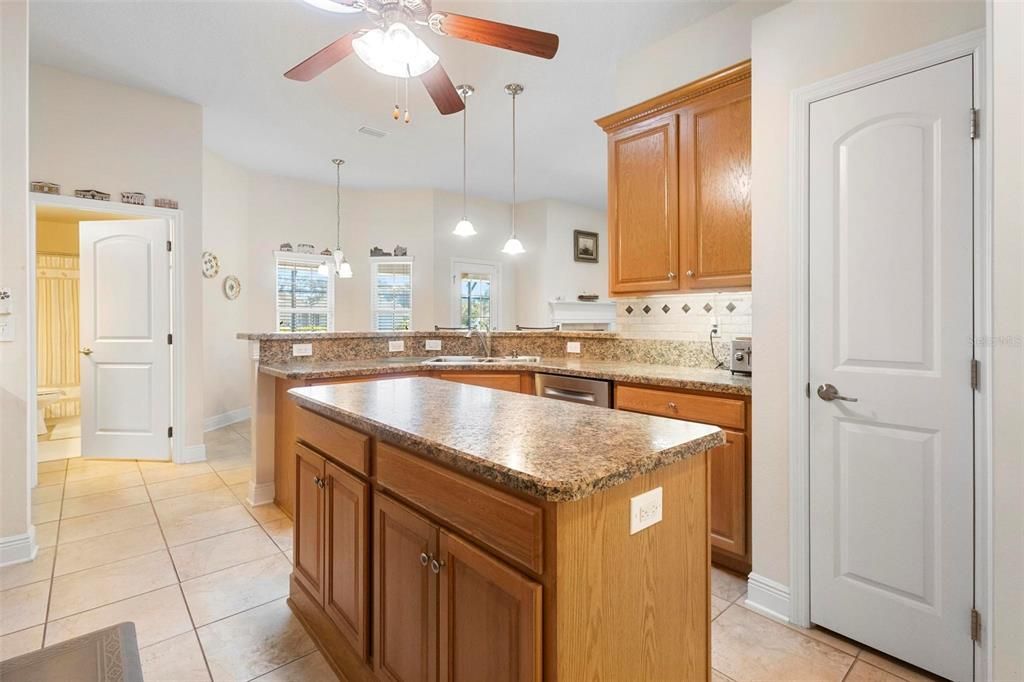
x=372, y=132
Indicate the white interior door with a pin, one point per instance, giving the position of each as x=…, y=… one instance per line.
x=891, y=248
x=125, y=320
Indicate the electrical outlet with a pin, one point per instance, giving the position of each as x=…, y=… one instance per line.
x=6, y=328
x=396, y=346
x=714, y=329
x=432, y=344
x=572, y=347
x=644, y=510
x=302, y=350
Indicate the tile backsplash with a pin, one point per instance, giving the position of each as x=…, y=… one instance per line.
x=684, y=317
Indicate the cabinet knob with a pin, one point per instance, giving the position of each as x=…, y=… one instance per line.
x=424, y=559
x=671, y=405
x=320, y=483
x=436, y=566
x=689, y=273
x=671, y=275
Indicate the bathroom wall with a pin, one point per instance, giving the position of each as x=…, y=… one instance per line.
x=57, y=291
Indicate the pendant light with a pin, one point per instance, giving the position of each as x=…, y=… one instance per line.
x=341, y=265
x=464, y=228
x=513, y=246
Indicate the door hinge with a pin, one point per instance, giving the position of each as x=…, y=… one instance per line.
x=168, y=245
x=170, y=339
x=807, y=389
x=974, y=123
x=975, y=374
x=975, y=625
x=170, y=432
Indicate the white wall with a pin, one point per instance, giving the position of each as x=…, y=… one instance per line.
x=720, y=40
x=92, y=134
x=1006, y=33
x=796, y=45
x=16, y=407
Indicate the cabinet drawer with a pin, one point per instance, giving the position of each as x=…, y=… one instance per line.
x=507, y=524
x=349, y=447
x=697, y=408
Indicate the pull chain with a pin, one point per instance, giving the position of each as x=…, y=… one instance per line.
x=408, y=118
x=397, y=112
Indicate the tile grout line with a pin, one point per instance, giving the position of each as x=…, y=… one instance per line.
x=53, y=567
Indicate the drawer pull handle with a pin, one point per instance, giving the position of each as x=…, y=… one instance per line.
x=436, y=566
x=672, y=405
x=689, y=273
x=424, y=559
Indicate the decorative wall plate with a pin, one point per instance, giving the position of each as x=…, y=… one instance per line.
x=232, y=287
x=211, y=265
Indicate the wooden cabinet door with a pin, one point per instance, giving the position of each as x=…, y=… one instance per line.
x=715, y=199
x=346, y=584
x=643, y=206
x=490, y=617
x=499, y=380
x=729, y=494
x=404, y=594
x=309, y=521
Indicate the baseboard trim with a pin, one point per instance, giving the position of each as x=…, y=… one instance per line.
x=767, y=597
x=193, y=453
x=17, y=549
x=219, y=421
x=262, y=493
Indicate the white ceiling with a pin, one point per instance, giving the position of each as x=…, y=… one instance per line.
x=229, y=55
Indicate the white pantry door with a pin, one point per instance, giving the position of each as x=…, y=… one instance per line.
x=891, y=308
x=125, y=320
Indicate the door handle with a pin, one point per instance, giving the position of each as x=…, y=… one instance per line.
x=828, y=393
x=85, y=351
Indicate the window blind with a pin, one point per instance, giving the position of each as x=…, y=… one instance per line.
x=391, y=297
x=304, y=297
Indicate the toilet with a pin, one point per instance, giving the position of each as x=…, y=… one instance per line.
x=45, y=398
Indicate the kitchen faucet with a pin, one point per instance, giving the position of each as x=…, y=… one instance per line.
x=484, y=337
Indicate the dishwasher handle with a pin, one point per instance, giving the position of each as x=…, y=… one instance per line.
x=566, y=394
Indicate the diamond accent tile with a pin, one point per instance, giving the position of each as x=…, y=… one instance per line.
x=646, y=309
x=665, y=308
x=731, y=307
x=707, y=307
x=629, y=310
x=686, y=307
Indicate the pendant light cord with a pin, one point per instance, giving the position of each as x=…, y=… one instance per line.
x=513, y=165
x=465, y=107
x=337, y=205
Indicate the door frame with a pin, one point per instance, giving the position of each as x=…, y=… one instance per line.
x=453, y=294
x=176, y=221
x=799, y=604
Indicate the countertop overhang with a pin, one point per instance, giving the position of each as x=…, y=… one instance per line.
x=670, y=376
x=553, y=450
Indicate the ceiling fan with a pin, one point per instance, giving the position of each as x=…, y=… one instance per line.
x=393, y=48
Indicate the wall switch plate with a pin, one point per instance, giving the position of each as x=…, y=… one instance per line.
x=6, y=328
x=572, y=347
x=644, y=510
x=396, y=346
x=302, y=350
x=433, y=344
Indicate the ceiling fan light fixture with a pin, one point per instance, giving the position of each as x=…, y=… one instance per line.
x=396, y=52
x=332, y=6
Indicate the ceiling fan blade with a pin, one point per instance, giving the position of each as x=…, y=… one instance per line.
x=495, y=34
x=441, y=90
x=324, y=59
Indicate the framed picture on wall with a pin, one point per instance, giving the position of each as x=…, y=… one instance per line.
x=584, y=246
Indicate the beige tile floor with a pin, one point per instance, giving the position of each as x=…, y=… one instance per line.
x=204, y=578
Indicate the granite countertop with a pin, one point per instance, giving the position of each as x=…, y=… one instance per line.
x=325, y=336
x=550, y=449
x=671, y=376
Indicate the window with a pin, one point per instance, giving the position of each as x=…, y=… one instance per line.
x=391, y=294
x=475, y=294
x=305, y=296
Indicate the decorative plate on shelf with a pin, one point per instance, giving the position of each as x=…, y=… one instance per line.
x=232, y=287
x=211, y=265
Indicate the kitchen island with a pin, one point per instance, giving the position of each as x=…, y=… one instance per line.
x=446, y=530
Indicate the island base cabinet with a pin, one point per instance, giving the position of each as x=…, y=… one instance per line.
x=309, y=522
x=444, y=609
x=490, y=617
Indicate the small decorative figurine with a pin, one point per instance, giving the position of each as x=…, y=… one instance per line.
x=92, y=194
x=44, y=187
x=287, y=246
x=165, y=203
x=305, y=248
x=401, y=250
x=134, y=198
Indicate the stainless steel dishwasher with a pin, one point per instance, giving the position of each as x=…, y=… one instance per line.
x=574, y=389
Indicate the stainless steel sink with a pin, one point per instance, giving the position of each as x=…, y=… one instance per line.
x=479, y=359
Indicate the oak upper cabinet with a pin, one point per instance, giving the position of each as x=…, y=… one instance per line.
x=346, y=558
x=490, y=617
x=679, y=188
x=309, y=521
x=643, y=206
x=729, y=494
